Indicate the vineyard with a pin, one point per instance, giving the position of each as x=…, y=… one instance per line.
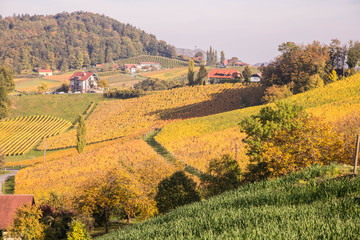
x=164, y=62
x=19, y=135
x=196, y=141
x=135, y=117
x=69, y=171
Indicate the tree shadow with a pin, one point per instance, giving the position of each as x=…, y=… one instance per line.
x=226, y=100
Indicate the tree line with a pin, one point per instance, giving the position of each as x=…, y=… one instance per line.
x=72, y=40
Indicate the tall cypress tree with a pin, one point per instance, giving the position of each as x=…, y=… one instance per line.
x=81, y=135
x=191, y=72
x=201, y=76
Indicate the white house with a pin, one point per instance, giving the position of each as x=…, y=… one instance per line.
x=132, y=67
x=83, y=81
x=45, y=72
x=255, y=77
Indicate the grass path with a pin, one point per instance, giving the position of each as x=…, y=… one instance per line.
x=159, y=149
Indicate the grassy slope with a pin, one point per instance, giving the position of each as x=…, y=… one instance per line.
x=334, y=97
x=305, y=205
x=66, y=106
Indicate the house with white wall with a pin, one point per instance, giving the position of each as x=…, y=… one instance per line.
x=83, y=81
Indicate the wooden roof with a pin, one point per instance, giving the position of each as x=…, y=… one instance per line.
x=8, y=206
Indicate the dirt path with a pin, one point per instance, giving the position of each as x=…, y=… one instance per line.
x=4, y=177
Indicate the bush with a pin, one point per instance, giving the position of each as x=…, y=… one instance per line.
x=123, y=93
x=78, y=231
x=315, y=81
x=174, y=191
x=223, y=174
x=276, y=92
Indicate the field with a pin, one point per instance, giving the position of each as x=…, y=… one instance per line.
x=67, y=171
x=65, y=106
x=196, y=141
x=19, y=135
x=135, y=117
x=121, y=80
x=164, y=62
x=317, y=203
x=168, y=74
x=31, y=84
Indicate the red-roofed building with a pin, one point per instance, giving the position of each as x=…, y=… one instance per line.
x=83, y=81
x=45, y=72
x=132, y=67
x=8, y=206
x=216, y=75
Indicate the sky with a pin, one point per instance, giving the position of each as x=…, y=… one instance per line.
x=251, y=30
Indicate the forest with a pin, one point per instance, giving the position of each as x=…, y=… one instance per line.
x=71, y=41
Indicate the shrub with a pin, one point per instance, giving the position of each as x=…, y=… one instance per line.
x=78, y=231
x=315, y=81
x=174, y=191
x=123, y=93
x=223, y=174
x=276, y=92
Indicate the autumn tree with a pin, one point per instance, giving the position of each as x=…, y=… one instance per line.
x=112, y=193
x=43, y=87
x=332, y=77
x=81, y=135
x=201, y=76
x=27, y=224
x=284, y=139
x=223, y=174
x=2, y=158
x=247, y=73
x=103, y=83
x=296, y=65
x=175, y=191
x=4, y=102
x=338, y=54
x=276, y=93
x=191, y=73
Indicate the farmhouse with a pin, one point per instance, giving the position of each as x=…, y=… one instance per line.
x=83, y=81
x=8, y=206
x=132, y=67
x=218, y=75
x=255, y=77
x=45, y=72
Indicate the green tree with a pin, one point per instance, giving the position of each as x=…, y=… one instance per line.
x=175, y=191
x=191, y=72
x=222, y=57
x=78, y=231
x=223, y=174
x=284, y=139
x=81, y=135
x=201, y=76
x=26, y=224
x=4, y=102
x=247, y=73
x=2, y=158
x=353, y=54
x=7, y=79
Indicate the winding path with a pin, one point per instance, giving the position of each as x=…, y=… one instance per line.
x=161, y=150
x=4, y=177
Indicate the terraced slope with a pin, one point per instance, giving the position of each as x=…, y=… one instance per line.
x=19, y=135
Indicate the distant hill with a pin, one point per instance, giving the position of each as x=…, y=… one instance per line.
x=72, y=40
x=189, y=52
x=259, y=64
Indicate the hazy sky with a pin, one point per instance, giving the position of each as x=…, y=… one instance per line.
x=248, y=29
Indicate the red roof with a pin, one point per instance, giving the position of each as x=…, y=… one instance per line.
x=130, y=66
x=224, y=73
x=45, y=70
x=8, y=206
x=82, y=76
